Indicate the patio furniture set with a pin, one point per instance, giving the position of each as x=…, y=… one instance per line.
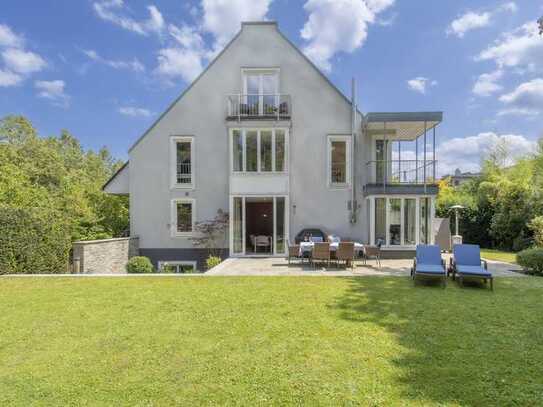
x=465, y=263
x=316, y=251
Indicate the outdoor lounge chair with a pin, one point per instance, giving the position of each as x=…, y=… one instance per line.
x=321, y=252
x=345, y=252
x=372, y=252
x=466, y=263
x=428, y=263
x=294, y=253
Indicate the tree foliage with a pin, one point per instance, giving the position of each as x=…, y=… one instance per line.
x=501, y=204
x=50, y=195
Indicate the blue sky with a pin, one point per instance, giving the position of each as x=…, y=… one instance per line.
x=105, y=69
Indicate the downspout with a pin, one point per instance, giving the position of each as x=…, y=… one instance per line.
x=353, y=152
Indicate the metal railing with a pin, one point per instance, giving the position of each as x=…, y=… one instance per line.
x=267, y=106
x=184, y=173
x=401, y=171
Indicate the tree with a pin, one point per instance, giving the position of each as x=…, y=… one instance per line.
x=211, y=234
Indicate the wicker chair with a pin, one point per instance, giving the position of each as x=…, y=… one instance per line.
x=373, y=251
x=321, y=252
x=345, y=252
x=294, y=253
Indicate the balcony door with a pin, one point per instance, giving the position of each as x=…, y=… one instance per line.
x=261, y=88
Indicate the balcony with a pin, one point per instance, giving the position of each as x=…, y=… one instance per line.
x=258, y=107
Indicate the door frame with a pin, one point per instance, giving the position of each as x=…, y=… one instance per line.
x=244, y=226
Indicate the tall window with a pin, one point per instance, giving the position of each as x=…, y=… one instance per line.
x=380, y=220
x=424, y=220
x=395, y=228
x=261, y=87
x=259, y=150
x=339, y=161
x=183, y=217
x=410, y=222
x=182, y=162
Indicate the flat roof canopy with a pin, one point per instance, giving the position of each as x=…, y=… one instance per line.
x=401, y=125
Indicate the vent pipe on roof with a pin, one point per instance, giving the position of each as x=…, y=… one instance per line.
x=354, y=205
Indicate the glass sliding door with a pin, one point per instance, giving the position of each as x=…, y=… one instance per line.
x=410, y=222
x=395, y=227
x=425, y=220
x=237, y=225
x=380, y=220
x=280, y=230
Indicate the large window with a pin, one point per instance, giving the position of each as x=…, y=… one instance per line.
x=261, y=87
x=339, y=161
x=410, y=222
x=183, y=217
x=259, y=150
x=424, y=220
x=182, y=162
x=395, y=228
x=380, y=220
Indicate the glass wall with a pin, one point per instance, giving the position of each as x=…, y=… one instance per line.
x=395, y=228
x=280, y=237
x=380, y=220
x=410, y=222
x=265, y=150
x=237, y=224
x=424, y=220
x=237, y=150
x=279, y=150
x=251, y=150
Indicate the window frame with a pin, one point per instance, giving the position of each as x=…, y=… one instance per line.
x=192, y=263
x=259, y=171
x=174, y=140
x=173, y=216
x=329, y=140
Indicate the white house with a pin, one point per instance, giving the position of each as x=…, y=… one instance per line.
x=265, y=136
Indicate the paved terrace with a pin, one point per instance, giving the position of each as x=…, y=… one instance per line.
x=280, y=267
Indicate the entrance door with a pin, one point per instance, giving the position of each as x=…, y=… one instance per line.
x=258, y=225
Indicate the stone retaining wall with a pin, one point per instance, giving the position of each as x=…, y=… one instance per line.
x=107, y=256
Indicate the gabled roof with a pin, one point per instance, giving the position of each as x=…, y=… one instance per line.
x=110, y=180
x=274, y=23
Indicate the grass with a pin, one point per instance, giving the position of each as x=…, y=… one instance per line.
x=498, y=255
x=269, y=340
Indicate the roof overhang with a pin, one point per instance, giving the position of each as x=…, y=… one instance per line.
x=118, y=184
x=401, y=125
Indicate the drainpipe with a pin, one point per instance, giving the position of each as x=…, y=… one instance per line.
x=353, y=152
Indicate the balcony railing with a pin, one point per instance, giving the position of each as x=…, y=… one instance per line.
x=259, y=106
x=184, y=173
x=401, y=172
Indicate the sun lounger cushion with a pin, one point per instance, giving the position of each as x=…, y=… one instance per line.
x=467, y=254
x=473, y=270
x=430, y=269
x=428, y=254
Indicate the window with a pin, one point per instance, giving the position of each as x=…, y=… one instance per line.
x=259, y=150
x=183, y=217
x=182, y=162
x=410, y=226
x=380, y=220
x=339, y=161
x=424, y=220
x=177, y=267
x=261, y=87
x=395, y=228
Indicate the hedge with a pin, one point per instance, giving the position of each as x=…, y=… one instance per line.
x=531, y=260
x=139, y=264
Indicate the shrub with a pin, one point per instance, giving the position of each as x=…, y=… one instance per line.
x=212, y=261
x=139, y=264
x=531, y=260
x=536, y=226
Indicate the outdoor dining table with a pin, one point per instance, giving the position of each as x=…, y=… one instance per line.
x=307, y=247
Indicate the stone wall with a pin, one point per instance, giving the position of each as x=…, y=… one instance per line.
x=107, y=256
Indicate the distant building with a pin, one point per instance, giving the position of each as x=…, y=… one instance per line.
x=460, y=177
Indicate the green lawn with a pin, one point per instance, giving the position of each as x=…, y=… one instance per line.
x=269, y=340
x=498, y=255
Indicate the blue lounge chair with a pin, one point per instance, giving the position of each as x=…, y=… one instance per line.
x=428, y=263
x=466, y=263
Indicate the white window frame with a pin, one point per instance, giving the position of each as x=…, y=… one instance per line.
x=173, y=216
x=260, y=72
x=192, y=263
x=173, y=162
x=243, y=132
x=329, y=140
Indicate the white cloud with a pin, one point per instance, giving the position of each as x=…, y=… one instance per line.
x=222, y=18
x=134, y=65
x=419, y=84
x=134, y=111
x=8, y=38
x=487, y=84
x=526, y=99
x=24, y=62
x=338, y=26
x=472, y=20
x=467, y=22
x=179, y=62
x=521, y=48
x=53, y=91
x=8, y=78
x=113, y=11
x=467, y=153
